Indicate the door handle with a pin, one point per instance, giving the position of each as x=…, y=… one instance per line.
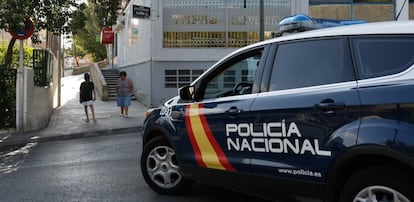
x=330, y=106
x=233, y=111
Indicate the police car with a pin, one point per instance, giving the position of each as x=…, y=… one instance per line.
x=326, y=114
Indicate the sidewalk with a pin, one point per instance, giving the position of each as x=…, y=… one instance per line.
x=67, y=121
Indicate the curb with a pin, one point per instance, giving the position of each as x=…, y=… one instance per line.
x=116, y=131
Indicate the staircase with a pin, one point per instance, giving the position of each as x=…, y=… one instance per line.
x=111, y=77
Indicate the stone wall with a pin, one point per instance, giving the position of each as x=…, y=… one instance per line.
x=368, y=12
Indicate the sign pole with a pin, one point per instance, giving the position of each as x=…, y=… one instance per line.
x=20, y=91
x=21, y=32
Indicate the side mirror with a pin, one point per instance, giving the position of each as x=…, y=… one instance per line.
x=187, y=92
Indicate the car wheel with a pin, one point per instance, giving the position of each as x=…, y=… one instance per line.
x=160, y=168
x=378, y=184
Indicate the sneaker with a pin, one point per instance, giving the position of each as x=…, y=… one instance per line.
x=126, y=115
x=121, y=115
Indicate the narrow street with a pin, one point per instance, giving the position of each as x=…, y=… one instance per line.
x=89, y=169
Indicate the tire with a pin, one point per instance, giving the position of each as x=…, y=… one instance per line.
x=160, y=169
x=381, y=183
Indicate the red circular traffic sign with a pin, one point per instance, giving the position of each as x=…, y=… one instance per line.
x=22, y=32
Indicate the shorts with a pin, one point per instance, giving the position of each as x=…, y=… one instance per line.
x=123, y=101
x=88, y=103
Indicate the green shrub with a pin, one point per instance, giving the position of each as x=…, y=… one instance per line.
x=27, y=55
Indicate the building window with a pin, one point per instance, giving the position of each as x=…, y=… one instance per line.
x=176, y=78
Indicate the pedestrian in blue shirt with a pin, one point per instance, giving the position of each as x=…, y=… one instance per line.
x=124, y=90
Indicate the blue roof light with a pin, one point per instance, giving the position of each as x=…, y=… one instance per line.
x=300, y=23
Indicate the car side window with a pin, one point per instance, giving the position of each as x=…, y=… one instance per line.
x=381, y=56
x=236, y=77
x=310, y=63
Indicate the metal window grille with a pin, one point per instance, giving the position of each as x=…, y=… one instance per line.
x=42, y=67
x=176, y=78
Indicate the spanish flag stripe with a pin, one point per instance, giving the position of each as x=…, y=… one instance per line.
x=219, y=152
x=208, y=154
x=191, y=136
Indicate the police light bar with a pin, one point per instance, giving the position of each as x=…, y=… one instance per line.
x=300, y=23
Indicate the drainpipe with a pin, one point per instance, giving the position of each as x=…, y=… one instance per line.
x=261, y=20
x=59, y=58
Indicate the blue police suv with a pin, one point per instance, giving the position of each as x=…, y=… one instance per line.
x=325, y=115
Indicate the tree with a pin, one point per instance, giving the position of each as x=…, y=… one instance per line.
x=106, y=11
x=51, y=15
x=78, y=19
x=95, y=15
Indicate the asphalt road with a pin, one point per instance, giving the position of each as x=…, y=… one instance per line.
x=89, y=169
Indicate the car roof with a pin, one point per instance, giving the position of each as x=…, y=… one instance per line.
x=389, y=27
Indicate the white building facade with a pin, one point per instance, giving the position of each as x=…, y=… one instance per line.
x=182, y=38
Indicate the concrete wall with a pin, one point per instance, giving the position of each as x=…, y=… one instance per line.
x=140, y=74
x=40, y=100
x=99, y=81
x=368, y=12
x=39, y=104
x=411, y=12
x=149, y=79
x=131, y=53
x=330, y=11
x=160, y=96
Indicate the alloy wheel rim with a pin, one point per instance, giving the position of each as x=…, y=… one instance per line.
x=162, y=167
x=380, y=194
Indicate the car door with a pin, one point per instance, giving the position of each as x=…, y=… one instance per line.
x=385, y=88
x=308, y=115
x=224, y=96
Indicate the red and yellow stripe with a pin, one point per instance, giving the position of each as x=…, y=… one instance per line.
x=207, y=151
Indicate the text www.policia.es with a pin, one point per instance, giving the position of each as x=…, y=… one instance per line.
x=302, y=172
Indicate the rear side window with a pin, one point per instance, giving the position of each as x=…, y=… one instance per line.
x=311, y=63
x=381, y=56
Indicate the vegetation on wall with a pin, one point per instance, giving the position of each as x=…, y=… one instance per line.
x=27, y=59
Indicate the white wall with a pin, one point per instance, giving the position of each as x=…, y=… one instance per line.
x=402, y=5
x=146, y=60
x=39, y=105
x=39, y=101
x=139, y=51
x=300, y=7
x=140, y=74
